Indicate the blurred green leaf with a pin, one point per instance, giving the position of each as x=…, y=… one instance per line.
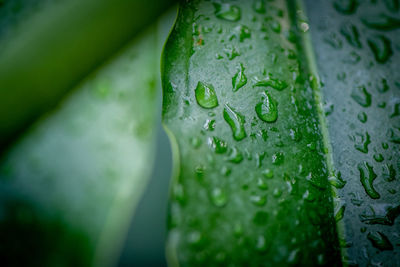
x=47, y=46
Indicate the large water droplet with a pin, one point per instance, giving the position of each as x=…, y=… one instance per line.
x=242, y=32
x=217, y=145
x=367, y=177
x=239, y=79
x=381, y=22
x=351, y=34
x=267, y=110
x=381, y=48
x=219, y=197
x=361, y=96
x=380, y=241
x=236, y=122
x=227, y=11
x=345, y=6
x=205, y=95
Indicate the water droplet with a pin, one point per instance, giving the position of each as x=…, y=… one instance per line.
x=261, y=244
x=395, y=110
x=209, y=125
x=345, y=6
x=218, y=146
x=333, y=41
x=260, y=218
x=275, y=26
x=380, y=213
x=194, y=238
x=195, y=142
x=362, y=117
x=388, y=172
x=381, y=47
x=392, y=5
x=243, y=32
x=361, y=96
x=218, y=197
x=328, y=108
x=227, y=12
x=235, y=156
x=361, y=142
x=378, y=157
x=259, y=6
x=272, y=82
x=236, y=122
x=239, y=79
x=384, y=87
x=308, y=196
x=277, y=193
x=367, y=177
x=337, y=181
x=261, y=184
x=351, y=34
x=267, y=110
x=268, y=173
x=231, y=51
x=339, y=213
x=380, y=241
x=258, y=200
x=381, y=22
x=277, y=158
x=295, y=134
x=205, y=95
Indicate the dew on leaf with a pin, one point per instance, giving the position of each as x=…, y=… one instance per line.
x=272, y=82
x=227, y=11
x=258, y=200
x=236, y=121
x=277, y=158
x=381, y=47
x=367, y=177
x=259, y=6
x=361, y=96
x=378, y=157
x=209, y=125
x=205, y=95
x=267, y=110
x=217, y=145
x=381, y=22
x=383, y=87
x=380, y=241
x=350, y=32
x=268, y=173
x=218, y=197
x=337, y=180
x=389, y=172
x=345, y=6
x=239, y=79
x=235, y=156
x=362, y=117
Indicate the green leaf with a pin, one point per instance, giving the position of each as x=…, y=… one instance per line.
x=71, y=184
x=300, y=169
x=48, y=46
x=365, y=124
x=253, y=189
